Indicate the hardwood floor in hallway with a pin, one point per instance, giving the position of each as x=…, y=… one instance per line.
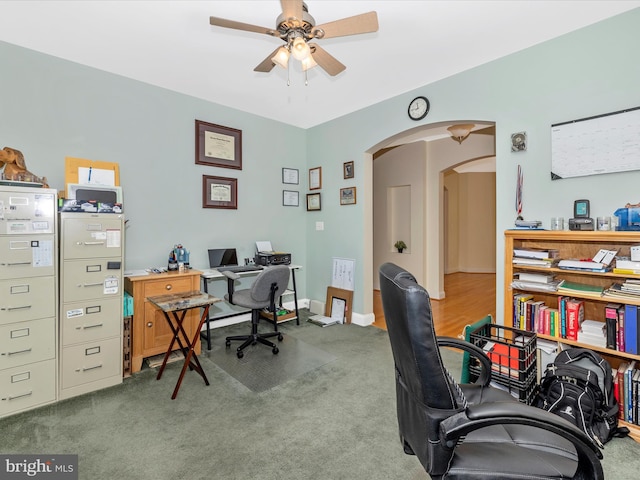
x=469, y=297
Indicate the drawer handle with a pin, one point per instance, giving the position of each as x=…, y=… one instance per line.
x=86, y=369
x=168, y=287
x=19, y=351
x=90, y=284
x=150, y=324
x=89, y=243
x=13, y=397
x=9, y=309
x=84, y=327
x=14, y=264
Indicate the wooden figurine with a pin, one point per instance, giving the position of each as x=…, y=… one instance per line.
x=15, y=168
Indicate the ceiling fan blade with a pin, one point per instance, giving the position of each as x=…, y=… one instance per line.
x=223, y=22
x=292, y=9
x=363, y=23
x=266, y=65
x=330, y=64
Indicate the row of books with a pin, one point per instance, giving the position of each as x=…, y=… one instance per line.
x=619, y=331
x=562, y=322
x=626, y=386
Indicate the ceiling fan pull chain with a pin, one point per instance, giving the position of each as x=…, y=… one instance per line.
x=306, y=79
x=289, y=74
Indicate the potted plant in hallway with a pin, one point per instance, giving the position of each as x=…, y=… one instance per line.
x=400, y=246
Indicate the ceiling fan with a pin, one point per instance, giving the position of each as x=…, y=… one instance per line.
x=297, y=28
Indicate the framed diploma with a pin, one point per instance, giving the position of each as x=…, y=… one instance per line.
x=290, y=198
x=315, y=178
x=219, y=192
x=313, y=201
x=290, y=175
x=218, y=146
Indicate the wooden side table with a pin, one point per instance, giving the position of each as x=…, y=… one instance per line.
x=177, y=305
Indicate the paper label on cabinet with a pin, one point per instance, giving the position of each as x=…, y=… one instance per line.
x=76, y=312
x=113, y=238
x=110, y=285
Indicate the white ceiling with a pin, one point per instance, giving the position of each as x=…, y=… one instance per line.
x=171, y=44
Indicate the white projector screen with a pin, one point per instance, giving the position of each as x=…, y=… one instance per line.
x=591, y=146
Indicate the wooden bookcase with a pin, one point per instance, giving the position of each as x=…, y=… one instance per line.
x=571, y=245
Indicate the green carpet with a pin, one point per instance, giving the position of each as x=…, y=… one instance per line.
x=335, y=421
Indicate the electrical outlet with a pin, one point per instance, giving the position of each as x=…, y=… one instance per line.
x=319, y=225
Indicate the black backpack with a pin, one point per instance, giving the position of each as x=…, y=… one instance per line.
x=578, y=386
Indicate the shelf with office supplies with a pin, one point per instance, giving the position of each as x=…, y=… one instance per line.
x=588, y=290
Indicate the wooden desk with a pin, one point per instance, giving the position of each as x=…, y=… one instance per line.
x=177, y=305
x=150, y=334
x=212, y=274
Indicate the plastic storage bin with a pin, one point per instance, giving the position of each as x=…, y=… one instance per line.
x=628, y=218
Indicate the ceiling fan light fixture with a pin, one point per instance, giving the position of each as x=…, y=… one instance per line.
x=300, y=49
x=281, y=57
x=308, y=63
x=460, y=132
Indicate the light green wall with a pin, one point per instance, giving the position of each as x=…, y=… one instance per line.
x=50, y=109
x=588, y=72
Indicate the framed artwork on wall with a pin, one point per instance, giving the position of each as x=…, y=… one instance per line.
x=348, y=196
x=348, y=170
x=219, y=192
x=218, y=146
x=315, y=178
x=290, y=198
x=339, y=298
x=290, y=175
x=313, y=202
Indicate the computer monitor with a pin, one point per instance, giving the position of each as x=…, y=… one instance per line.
x=221, y=257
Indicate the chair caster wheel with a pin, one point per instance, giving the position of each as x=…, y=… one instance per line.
x=275, y=350
x=228, y=343
x=240, y=354
x=280, y=338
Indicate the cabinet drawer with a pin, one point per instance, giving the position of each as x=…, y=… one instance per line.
x=27, y=386
x=91, y=320
x=27, y=342
x=90, y=362
x=27, y=299
x=87, y=279
x=167, y=285
x=27, y=256
x=91, y=236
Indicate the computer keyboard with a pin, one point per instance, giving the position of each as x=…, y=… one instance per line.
x=239, y=268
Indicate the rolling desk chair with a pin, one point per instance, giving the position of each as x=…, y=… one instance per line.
x=266, y=289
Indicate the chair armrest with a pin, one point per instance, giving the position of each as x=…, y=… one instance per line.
x=231, y=275
x=474, y=351
x=500, y=413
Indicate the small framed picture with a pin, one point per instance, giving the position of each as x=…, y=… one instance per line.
x=290, y=175
x=340, y=300
x=290, y=198
x=348, y=196
x=315, y=178
x=219, y=192
x=348, y=170
x=313, y=202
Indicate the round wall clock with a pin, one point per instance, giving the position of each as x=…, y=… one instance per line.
x=418, y=108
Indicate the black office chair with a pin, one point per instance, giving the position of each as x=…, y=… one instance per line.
x=472, y=431
x=266, y=289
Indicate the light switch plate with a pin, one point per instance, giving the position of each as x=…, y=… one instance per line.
x=319, y=225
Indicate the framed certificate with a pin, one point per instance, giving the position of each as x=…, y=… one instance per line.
x=218, y=146
x=219, y=192
x=313, y=202
x=290, y=198
x=315, y=178
x=290, y=175
x=348, y=196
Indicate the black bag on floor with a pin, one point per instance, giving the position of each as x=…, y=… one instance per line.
x=578, y=386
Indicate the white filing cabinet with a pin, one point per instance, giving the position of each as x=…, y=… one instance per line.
x=91, y=291
x=28, y=298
